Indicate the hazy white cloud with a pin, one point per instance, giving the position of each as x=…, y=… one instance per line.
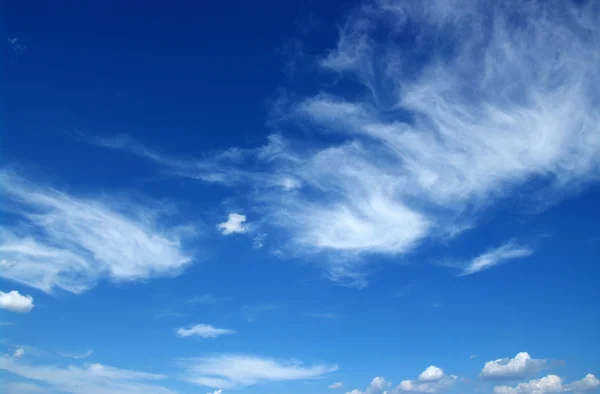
x=432, y=380
x=204, y=331
x=216, y=392
x=433, y=143
x=90, y=379
x=336, y=385
x=231, y=371
x=15, y=302
x=519, y=367
x=550, y=384
x=233, y=225
x=508, y=251
x=62, y=241
x=19, y=353
x=78, y=356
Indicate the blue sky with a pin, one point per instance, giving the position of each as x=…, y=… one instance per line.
x=300, y=197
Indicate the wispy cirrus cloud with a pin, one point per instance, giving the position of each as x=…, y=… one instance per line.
x=60, y=241
x=204, y=331
x=506, y=252
x=78, y=356
x=91, y=378
x=455, y=107
x=231, y=371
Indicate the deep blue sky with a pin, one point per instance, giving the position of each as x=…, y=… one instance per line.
x=316, y=192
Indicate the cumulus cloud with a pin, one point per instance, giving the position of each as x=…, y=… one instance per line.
x=15, y=302
x=519, y=367
x=93, y=378
x=19, y=353
x=204, y=331
x=550, y=384
x=456, y=107
x=336, y=385
x=233, y=225
x=432, y=380
x=70, y=243
x=231, y=371
x=508, y=251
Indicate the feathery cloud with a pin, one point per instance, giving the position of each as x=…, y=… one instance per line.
x=93, y=378
x=15, y=302
x=61, y=241
x=204, y=331
x=231, y=371
x=508, y=251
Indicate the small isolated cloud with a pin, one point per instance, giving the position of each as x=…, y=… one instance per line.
x=233, y=225
x=496, y=256
x=432, y=380
x=19, y=353
x=204, y=331
x=232, y=371
x=519, y=367
x=92, y=378
x=216, y=392
x=259, y=241
x=336, y=385
x=15, y=302
x=473, y=356
x=550, y=384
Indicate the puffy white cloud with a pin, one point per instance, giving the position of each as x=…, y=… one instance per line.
x=19, y=353
x=233, y=225
x=432, y=380
x=519, y=367
x=15, y=302
x=92, y=379
x=231, y=371
x=550, y=384
x=431, y=374
x=204, y=331
x=496, y=256
x=336, y=385
x=61, y=241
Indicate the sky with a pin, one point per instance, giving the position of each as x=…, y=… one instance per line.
x=301, y=197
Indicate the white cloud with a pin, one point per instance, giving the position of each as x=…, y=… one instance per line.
x=550, y=384
x=496, y=256
x=204, y=331
x=78, y=356
x=432, y=380
x=519, y=367
x=231, y=371
x=216, y=392
x=19, y=353
x=233, y=225
x=336, y=385
x=433, y=143
x=15, y=302
x=90, y=379
x=70, y=243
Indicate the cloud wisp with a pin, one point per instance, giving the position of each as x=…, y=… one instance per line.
x=231, y=371
x=92, y=378
x=59, y=241
x=15, y=302
x=203, y=331
x=506, y=252
x=454, y=108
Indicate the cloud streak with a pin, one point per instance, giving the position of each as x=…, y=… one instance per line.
x=61, y=241
x=508, y=251
x=204, y=331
